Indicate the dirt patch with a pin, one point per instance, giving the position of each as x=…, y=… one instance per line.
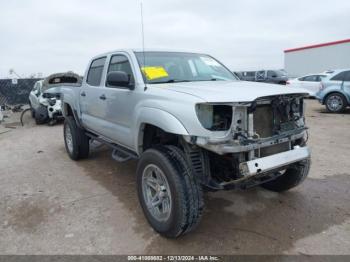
x=28, y=214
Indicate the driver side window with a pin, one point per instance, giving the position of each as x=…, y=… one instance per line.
x=122, y=64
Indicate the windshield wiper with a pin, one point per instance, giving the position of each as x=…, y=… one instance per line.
x=179, y=81
x=171, y=81
x=206, y=80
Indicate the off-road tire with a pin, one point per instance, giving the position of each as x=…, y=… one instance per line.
x=341, y=97
x=293, y=176
x=186, y=192
x=80, y=140
x=41, y=115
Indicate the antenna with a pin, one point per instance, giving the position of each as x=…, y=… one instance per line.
x=143, y=39
x=143, y=36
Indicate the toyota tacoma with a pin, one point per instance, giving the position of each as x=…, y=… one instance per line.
x=192, y=125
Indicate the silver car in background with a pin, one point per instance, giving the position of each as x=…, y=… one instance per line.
x=334, y=90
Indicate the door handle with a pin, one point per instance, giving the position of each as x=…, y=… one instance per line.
x=83, y=94
x=103, y=97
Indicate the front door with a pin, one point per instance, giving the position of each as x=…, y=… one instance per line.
x=346, y=85
x=120, y=102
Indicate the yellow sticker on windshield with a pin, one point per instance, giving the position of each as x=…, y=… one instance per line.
x=154, y=72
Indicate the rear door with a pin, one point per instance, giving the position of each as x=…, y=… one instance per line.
x=311, y=84
x=91, y=96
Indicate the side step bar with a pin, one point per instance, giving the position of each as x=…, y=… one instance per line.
x=120, y=153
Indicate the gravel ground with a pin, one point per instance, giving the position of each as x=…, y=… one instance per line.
x=52, y=205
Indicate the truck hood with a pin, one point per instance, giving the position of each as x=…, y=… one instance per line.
x=229, y=91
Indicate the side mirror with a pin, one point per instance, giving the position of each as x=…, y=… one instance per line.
x=118, y=78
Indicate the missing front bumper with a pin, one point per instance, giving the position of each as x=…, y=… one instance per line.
x=273, y=162
x=226, y=145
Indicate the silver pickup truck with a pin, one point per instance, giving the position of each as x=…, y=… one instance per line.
x=192, y=125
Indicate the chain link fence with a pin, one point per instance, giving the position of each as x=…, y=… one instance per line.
x=12, y=93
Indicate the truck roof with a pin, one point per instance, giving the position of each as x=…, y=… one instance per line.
x=132, y=50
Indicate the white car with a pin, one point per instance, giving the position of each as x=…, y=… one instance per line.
x=44, y=99
x=311, y=83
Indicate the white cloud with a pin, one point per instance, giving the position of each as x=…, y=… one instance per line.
x=50, y=36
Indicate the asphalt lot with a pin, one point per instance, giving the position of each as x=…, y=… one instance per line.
x=52, y=205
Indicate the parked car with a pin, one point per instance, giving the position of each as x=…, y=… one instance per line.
x=334, y=91
x=267, y=76
x=191, y=124
x=311, y=83
x=238, y=75
x=44, y=99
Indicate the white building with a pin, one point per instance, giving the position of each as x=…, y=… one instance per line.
x=317, y=58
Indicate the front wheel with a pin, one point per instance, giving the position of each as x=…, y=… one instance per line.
x=293, y=176
x=170, y=196
x=335, y=103
x=41, y=115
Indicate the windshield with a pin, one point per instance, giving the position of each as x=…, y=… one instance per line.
x=169, y=67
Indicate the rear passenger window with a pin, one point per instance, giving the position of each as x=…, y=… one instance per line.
x=311, y=78
x=121, y=63
x=320, y=78
x=95, y=72
x=339, y=77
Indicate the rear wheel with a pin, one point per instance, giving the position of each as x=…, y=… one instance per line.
x=335, y=103
x=170, y=196
x=293, y=176
x=75, y=139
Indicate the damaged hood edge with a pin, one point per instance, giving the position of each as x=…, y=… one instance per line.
x=53, y=90
x=230, y=91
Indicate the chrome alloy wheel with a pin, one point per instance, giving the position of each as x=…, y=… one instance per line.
x=69, y=139
x=156, y=192
x=335, y=103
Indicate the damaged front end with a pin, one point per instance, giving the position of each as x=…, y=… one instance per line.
x=53, y=104
x=50, y=100
x=252, y=142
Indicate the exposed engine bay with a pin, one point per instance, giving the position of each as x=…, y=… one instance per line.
x=251, y=132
